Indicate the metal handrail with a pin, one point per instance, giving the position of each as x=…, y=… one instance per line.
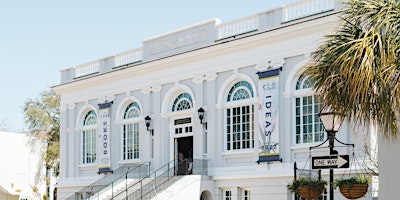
x=118, y=175
x=160, y=179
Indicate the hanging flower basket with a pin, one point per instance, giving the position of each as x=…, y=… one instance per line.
x=308, y=192
x=354, y=191
x=354, y=187
x=308, y=188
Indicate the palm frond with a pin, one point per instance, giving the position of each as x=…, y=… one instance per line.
x=356, y=70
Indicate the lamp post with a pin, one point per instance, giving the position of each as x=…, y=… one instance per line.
x=331, y=122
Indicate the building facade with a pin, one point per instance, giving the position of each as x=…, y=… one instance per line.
x=260, y=117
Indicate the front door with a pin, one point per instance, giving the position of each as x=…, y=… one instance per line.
x=184, y=152
x=183, y=144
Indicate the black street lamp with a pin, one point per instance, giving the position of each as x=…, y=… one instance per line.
x=332, y=122
x=201, y=112
x=147, y=120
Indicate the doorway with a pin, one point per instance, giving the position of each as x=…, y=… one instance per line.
x=184, y=152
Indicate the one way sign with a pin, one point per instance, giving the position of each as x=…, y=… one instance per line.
x=330, y=162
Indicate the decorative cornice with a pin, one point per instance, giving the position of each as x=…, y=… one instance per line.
x=270, y=64
x=154, y=88
x=105, y=99
x=198, y=79
x=211, y=76
x=146, y=90
x=71, y=106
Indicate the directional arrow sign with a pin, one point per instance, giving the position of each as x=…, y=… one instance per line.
x=330, y=162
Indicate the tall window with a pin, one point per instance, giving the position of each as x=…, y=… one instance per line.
x=89, y=140
x=246, y=194
x=130, y=132
x=239, y=117
x=309, y=127
x=227, y=194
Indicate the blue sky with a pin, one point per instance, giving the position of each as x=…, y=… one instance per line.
x=39, y=38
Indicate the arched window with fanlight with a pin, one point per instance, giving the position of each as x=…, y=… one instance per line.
x=239, y=117
x=89, y=139
x=130, y=132
x=182, y=102
x=309, y=127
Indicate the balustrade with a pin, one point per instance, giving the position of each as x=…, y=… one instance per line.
x=298, y=10
x=306, y=8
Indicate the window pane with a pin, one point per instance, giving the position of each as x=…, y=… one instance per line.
x=89, y=140
x=308, y=124
x=239, y=120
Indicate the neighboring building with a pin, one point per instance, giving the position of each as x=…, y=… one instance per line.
x=22, y=171
x=260, y=117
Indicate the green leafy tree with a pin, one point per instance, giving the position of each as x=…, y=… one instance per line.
x=42, y=115
x=356, y=70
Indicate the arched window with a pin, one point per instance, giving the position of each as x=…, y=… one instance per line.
x=241, y=90
x=240, y=117
x=309, y=127
x=89, y=140
x=303, y=83
x=182, y=102
x=130, y=132
x=183, y=125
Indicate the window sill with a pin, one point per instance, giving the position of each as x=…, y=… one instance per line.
x=238, y=152
x=305, y=147
x=88, y=166
x=132, y=161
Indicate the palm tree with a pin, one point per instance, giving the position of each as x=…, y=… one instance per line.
x=356, y=70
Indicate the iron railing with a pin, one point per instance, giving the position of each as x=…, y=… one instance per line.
x=159, y=180
x=120, y=179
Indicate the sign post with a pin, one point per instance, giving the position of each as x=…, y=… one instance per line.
x=330, y=162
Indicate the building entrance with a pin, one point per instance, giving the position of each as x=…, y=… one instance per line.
x=184, y=152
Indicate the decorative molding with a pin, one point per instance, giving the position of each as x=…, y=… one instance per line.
x=211, y=76
x=198, y=79
x=278, y=63
x=156, y=88
x=71, y=106
x=110, y=98
x=146, y=90
x=105, y=99
x=270, y=64
x=206, y=77
x=101, y=100
x=178, y=42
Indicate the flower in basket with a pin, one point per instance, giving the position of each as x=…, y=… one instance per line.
x=308, y=187
x=354, y=187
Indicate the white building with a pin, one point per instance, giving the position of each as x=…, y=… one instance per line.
x=22, y=171
x=260, y=116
